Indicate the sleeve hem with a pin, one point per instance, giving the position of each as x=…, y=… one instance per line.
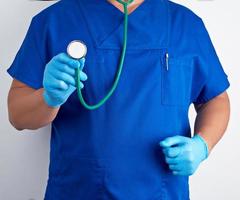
x=33, y=84
x=214, y=94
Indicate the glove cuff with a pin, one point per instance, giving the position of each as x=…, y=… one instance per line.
x=205, y=145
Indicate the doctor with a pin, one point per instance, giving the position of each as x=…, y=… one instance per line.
x=138, y=145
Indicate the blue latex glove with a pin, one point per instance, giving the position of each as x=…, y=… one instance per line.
x=59, y=79
x=183, y=155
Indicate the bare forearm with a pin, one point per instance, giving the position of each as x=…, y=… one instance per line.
x=27, y=109
x=212, y=119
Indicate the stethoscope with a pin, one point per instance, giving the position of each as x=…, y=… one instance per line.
x=77, y=50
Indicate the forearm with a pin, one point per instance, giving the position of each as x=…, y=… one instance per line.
x=212, y=119
x=27, y=109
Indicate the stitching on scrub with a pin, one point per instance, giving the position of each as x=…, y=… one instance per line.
x=93, y=163
x=162, y=66
x=105, y=193
x=133, y=49
x=203, y=30
x=108, y=35
x=168, y=22
x=98, y=58
x=35, y=46
x=181, y=62
x=100, y=184
x=163, y=190
x=164, y=46
x=161, y=195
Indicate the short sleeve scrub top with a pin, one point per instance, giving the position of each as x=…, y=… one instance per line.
x=113, y=153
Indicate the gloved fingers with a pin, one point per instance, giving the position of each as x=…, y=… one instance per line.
x=186, y=166
x=179, y=169
x=61, y=85
x=184, y=172
x=172, y=161
x=82, y=63
x=172, y=152
x=175, y=167
x=65, y=68
x=65, y=59
x=180, y=154
x=173, y=141
x=71, y=89
x=185, y=154
x=65, y=77
x=180, y=173
x=54, y=84
x=83, y=76
x=81, y=85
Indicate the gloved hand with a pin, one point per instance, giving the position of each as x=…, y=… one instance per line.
x=59, y=80
x=183, y=154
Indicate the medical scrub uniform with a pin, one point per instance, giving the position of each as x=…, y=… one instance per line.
x=113, y=153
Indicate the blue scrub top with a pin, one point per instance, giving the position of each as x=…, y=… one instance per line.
x=113, y=152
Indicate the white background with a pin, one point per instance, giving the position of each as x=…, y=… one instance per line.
x=24, y=156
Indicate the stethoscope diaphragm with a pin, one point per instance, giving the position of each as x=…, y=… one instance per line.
x=77, y=49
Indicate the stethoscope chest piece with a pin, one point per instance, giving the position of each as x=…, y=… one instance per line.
x=77, y=49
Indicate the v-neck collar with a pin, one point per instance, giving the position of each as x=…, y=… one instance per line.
x=105, y=23
x=122, y=13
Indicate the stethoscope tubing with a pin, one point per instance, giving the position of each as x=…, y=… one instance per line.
x=119, y=72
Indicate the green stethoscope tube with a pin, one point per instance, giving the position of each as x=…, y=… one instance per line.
x=114, y=86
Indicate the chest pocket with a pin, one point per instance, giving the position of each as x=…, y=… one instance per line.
x=176, y=81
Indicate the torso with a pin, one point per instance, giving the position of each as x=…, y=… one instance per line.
x=114, y=149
